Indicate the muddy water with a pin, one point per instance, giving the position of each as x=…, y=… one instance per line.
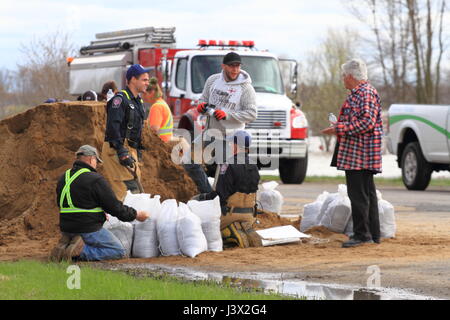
x=284, y=284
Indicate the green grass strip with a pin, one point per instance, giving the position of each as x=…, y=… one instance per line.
x=33, y=280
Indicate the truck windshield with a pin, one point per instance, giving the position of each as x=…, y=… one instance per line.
x=264, y=71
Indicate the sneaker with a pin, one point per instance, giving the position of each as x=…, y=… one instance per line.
x=355, y=243
x=58, y=251
x=74, y=249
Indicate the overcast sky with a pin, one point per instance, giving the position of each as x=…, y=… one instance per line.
x=288, y=27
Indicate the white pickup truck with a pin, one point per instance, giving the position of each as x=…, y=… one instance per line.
x=419, y=136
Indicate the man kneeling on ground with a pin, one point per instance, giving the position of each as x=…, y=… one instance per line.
x=236, y=186
x=83, y=197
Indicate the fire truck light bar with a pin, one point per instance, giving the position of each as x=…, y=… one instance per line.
x=230, y=43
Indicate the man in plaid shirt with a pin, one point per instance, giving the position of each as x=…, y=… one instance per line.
x=359, y=131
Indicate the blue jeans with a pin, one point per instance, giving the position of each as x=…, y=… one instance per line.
x=100, y=245
x=198, y=175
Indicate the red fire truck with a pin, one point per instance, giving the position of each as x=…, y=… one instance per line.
x=280, y=131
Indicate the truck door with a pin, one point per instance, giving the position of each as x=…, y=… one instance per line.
x=289, y=73
x=178, y=85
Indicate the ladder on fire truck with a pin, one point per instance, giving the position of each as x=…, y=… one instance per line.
x=163, y=37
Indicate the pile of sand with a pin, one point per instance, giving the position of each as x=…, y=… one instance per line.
x=36, y=148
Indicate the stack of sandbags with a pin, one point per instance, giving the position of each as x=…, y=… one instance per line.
x=333, y=211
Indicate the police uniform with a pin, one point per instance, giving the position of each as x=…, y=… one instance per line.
x=124, y=124
x=237, y=186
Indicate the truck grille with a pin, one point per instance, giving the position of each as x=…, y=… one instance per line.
x=266, y=120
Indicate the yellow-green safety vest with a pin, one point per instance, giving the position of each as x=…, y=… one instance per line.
x=66, y=194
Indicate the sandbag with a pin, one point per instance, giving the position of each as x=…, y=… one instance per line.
x=123, y=232
x=311, y=211
x=139, y=202
x=209, y=213
x=328, y=200
x=349, y=228
x=189, y=232
x=338, y=212
x=166, y=228
x=270, y=199
x=388, y=226
x=145, y=242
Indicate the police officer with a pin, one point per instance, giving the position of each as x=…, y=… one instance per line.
x=236, y=186
x=124, y=123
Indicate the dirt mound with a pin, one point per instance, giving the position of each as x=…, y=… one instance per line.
x=270, y=219
x=36, y=148
x=325, y=233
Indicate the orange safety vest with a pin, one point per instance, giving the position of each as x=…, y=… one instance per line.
x=166, y=131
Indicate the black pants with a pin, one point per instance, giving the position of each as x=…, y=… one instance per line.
x=363, y=197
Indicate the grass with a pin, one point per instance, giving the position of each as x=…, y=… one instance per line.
x=441, y=182
x=33, y=280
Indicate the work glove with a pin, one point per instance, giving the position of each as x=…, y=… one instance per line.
x=201, y=108
x=220, y=115
x=125, y=158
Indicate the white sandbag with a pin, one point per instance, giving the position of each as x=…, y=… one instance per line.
x=166, y=226
x=329, y=199
x=145, y=242
x=123, y=232
x=311, y=211
x=338, y=212
x=388, y=226
x=270, y=199
x=349, y=228
x=139, y=202
x=209, y=213
x=189, y=232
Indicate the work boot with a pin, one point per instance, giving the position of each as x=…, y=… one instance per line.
x=233, y=235
x=58, y=251
x=74, y=248
x=254, y=239
x=353, y=242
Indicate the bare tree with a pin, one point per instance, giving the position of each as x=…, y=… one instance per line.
x=321, y=86
x=402, y=29
x=44, y=71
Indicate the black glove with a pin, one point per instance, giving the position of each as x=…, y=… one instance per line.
x=125, y=158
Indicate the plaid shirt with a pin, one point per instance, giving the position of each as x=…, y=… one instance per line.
x=360, y=130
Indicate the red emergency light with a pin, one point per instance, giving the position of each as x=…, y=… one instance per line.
x=230, y=43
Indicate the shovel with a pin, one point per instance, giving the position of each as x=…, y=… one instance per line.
x=136, y=178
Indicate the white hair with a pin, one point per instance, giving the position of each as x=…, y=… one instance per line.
x=356, y=68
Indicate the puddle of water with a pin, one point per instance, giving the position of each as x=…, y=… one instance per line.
x=284, y=284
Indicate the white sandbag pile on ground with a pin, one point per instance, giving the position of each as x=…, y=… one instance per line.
x=338, y=212
x=388, y=227
x=123, y=231
x=311, y=211
x=209, y=213
x=166, y=227
x=190, y=236
x=333, y=211
x=270, y=199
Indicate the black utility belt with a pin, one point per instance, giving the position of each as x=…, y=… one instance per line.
x=241, y=210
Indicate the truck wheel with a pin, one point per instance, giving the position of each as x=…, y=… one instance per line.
x=416, y=171
x=293, y=171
